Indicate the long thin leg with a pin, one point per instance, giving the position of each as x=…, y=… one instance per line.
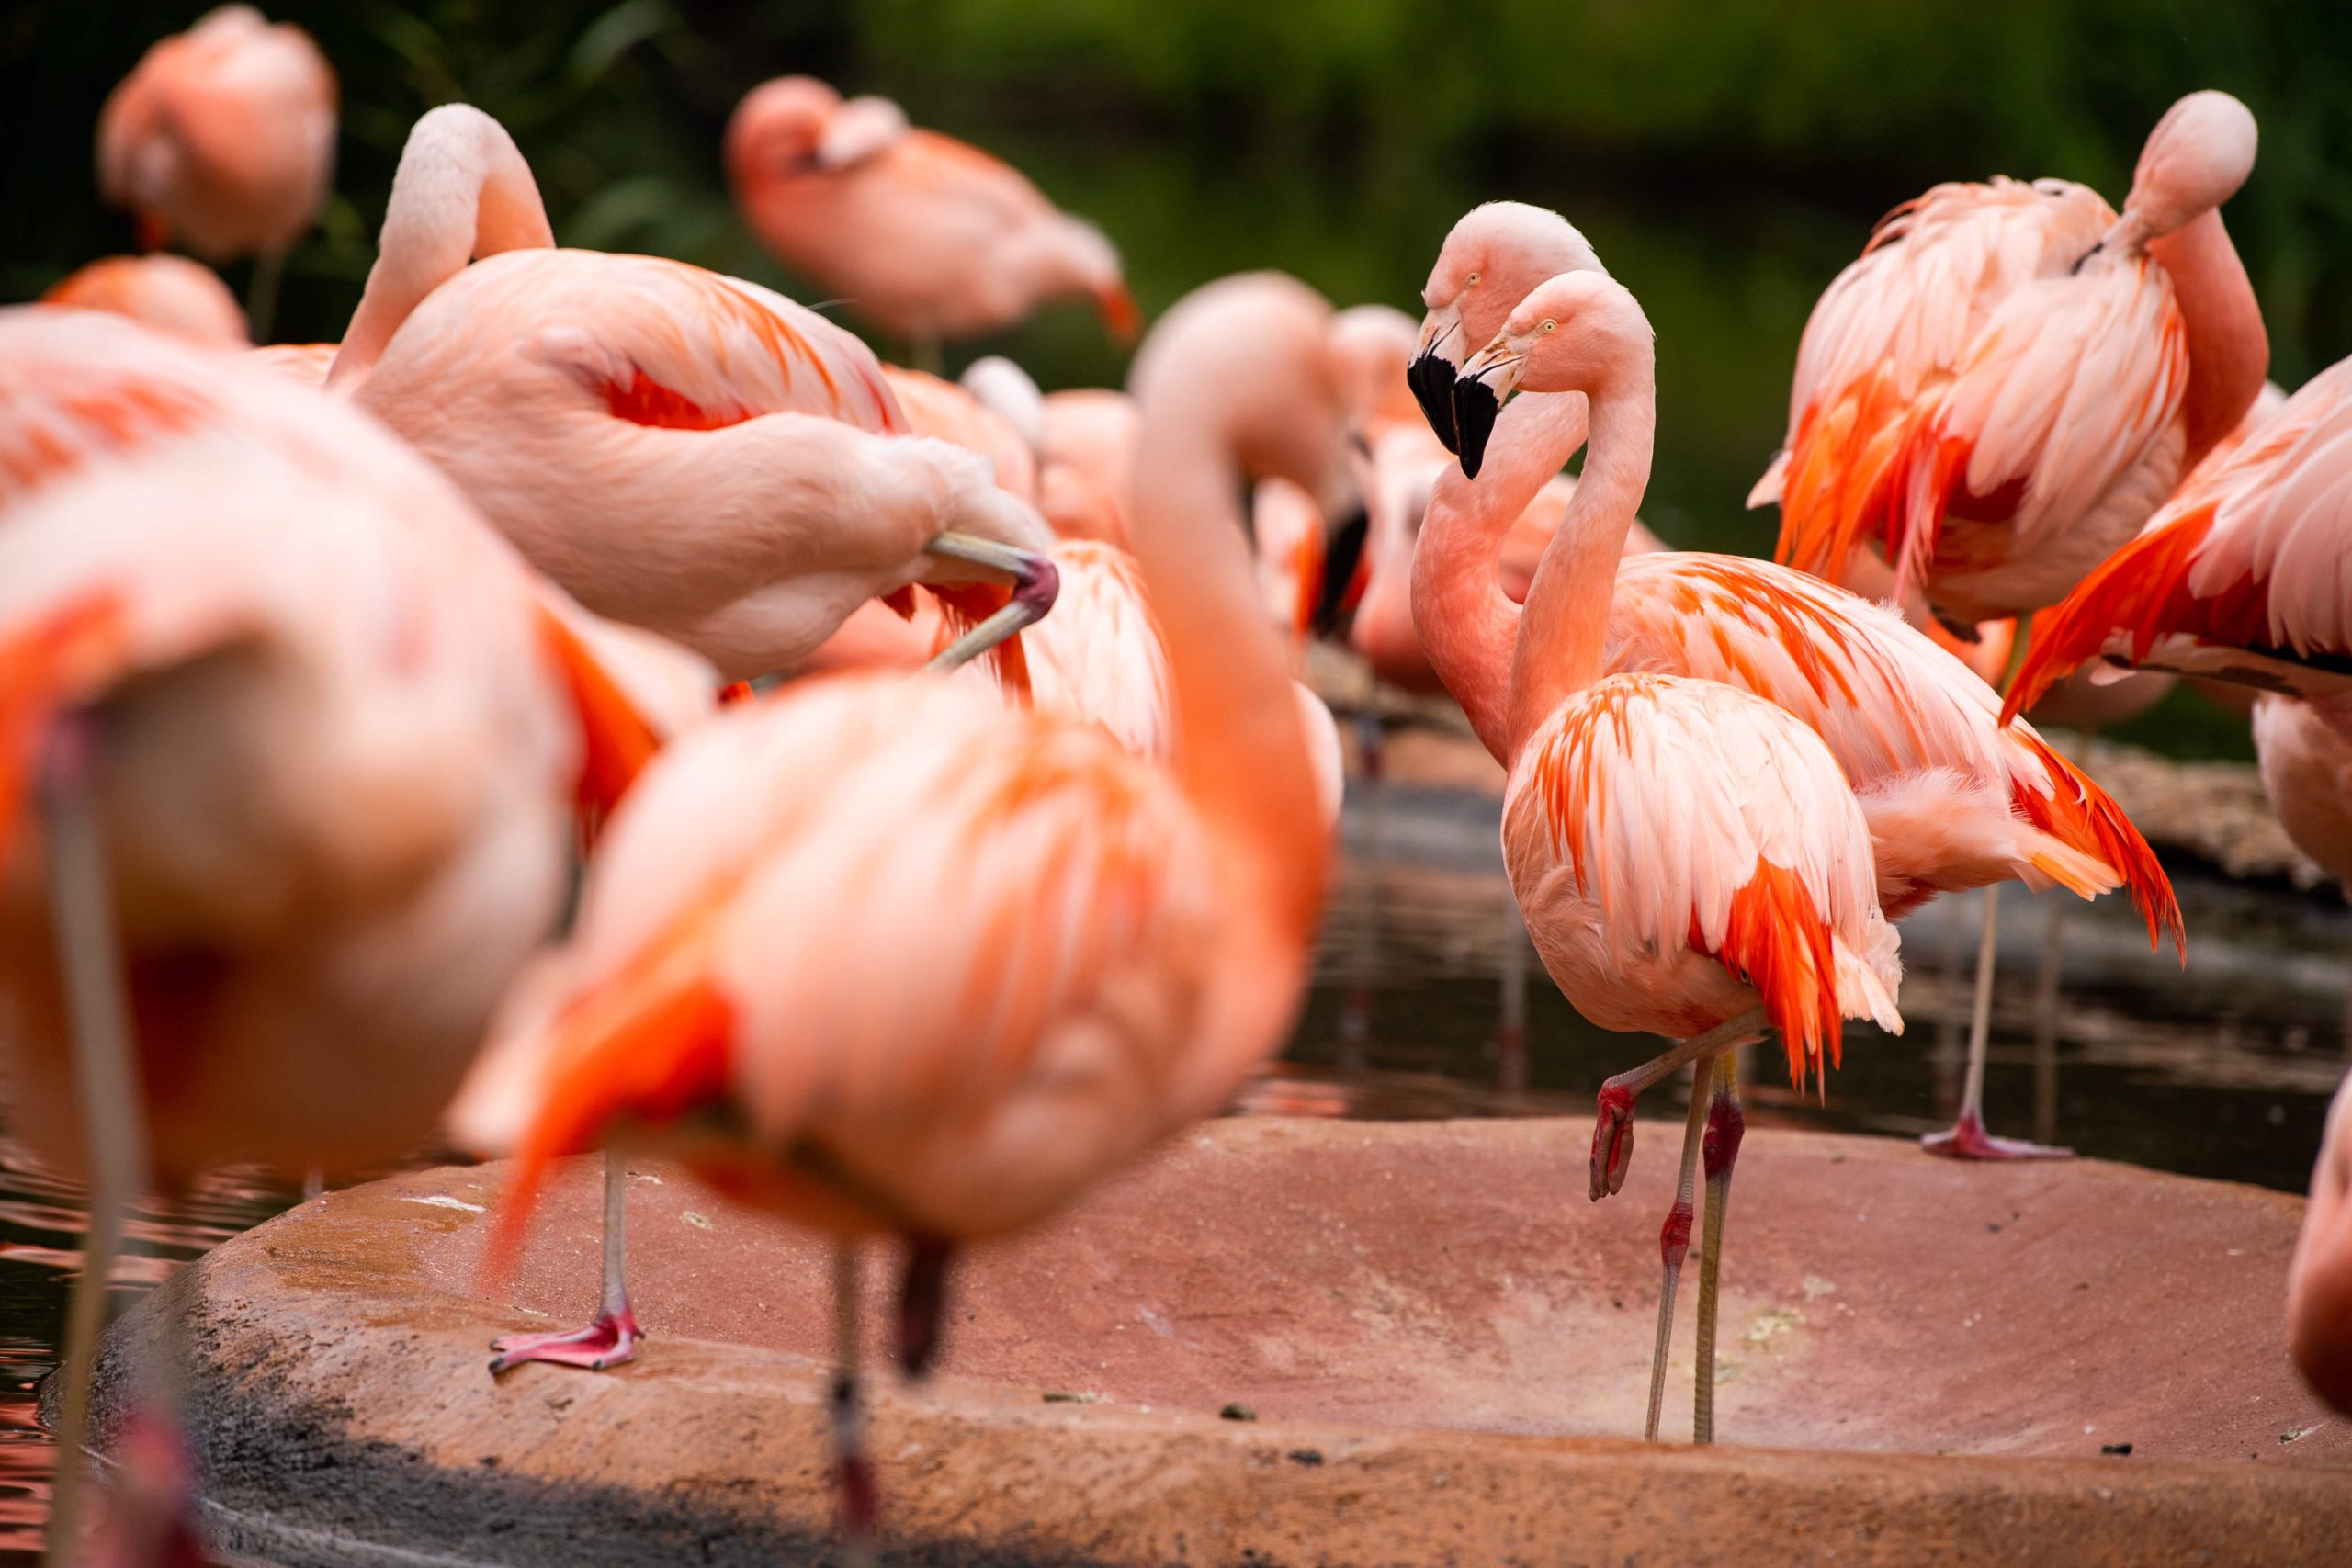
x=261, y=294
x=1674, y=1241
x=1036, y=582
x=112, y=1101
x=2045, y=1021
x=1612, y=1135
x=927, y=352
x=1726, y=1124
x=853, y=1472
x=1967, y=1138
x=612, y=1336
x=1510, y=1028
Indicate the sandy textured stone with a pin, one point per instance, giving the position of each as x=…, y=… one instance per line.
x=1443, y=1344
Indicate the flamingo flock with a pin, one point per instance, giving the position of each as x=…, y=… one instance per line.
x=954, y=824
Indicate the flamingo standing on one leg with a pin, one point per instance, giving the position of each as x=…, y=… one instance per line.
x=1113, y=946
x=166, y=291
x=221, y=139
x=926, y=236
x=1689, y=857
x=1953, y=799
x=285, y=738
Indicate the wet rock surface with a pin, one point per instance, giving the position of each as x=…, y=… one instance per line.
x=1443, y=1345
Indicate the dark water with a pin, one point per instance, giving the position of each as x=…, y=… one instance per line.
x=2222, y=1071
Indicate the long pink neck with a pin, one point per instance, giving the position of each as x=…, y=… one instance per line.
x=462, y=192
x=1467, y=623
x=1243, y=754
x=2229, y=351
x=1563, y=630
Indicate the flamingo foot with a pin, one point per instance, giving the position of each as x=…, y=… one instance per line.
x=145, y=1522
x=1966, y=1139
x=1612, y=1140
x=608, y=1340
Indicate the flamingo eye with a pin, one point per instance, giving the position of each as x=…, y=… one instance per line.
x=1469, y=280
x=1548, y=325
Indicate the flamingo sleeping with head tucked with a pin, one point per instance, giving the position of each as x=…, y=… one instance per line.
x=937, y=987
x=221, y=139
x=924, y=235
x=2012, y=377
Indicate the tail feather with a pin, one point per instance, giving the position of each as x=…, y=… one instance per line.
x=1839, y=474
x=45, y=666
x=2085, y=819
x=1777, y=942
x=651, y=1044
x=616, y=742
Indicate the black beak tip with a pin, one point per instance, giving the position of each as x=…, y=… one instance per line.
x=1475, y=408
x=1431, y=379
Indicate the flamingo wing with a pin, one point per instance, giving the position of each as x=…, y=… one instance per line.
x=1698, y=820
x=1100, y=656
x=974, y=941
x=2248, y=561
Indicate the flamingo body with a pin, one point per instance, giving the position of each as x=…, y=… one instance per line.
x=166, y=291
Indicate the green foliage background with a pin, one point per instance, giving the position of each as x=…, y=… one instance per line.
x=1726, y=158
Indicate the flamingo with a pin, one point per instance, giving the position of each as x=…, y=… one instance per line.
x=163, y=290
x=221, y=139
x=1690, y=858
x=1102, y=947
x=2012, y=378
x=1951, y=798
x=2318, y=1280
x=287, y=740
x=926, y=236
x=680, y=450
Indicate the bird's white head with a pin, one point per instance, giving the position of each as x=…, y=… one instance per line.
x=1581, y=331
x=1494, y=255
x=1372, y=345
x=2196, y=159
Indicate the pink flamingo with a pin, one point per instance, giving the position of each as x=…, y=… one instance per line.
x=1744, y=893
x=291, y=735
x=166, y=291
x=1952, y=799
x=2012, y=377
x=221, y=139
x=1118, y=944
x=680, y=450
x=926, y=236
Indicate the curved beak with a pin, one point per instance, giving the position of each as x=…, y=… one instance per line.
x=1434, y=368
x=1478, y=394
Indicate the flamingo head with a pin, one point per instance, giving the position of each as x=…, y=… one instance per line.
x=1493, y=256
x=2196, y=159
x=778, y=130
x=1581, y=331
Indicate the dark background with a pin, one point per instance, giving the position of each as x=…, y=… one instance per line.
x=1725, y=159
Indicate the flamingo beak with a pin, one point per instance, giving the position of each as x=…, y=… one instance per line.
x=1478, y=394
x=1431, y=374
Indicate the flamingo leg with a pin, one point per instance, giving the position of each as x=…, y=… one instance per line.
x=853, y=1472
x=261, y=294
x=1035, y=583
x=927, y=352
x=148, y=1517
x=1612, y=1135
x=1674, y=1242
x=1510, y=1029
x=1726, y=1124
x=923, y=1301
x=1967, y=1138
x=612, y=1336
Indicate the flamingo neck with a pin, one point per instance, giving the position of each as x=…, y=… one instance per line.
x=1242, y=753
x=1467, y=623
x=462, y=192
x=1564, y=629
x=2229, y=351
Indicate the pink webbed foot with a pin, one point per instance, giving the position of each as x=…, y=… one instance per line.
x=1612, y=1141
x=609, y=1339
x=1966, y=1139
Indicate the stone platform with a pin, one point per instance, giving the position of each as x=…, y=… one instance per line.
x=1441, y=1343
